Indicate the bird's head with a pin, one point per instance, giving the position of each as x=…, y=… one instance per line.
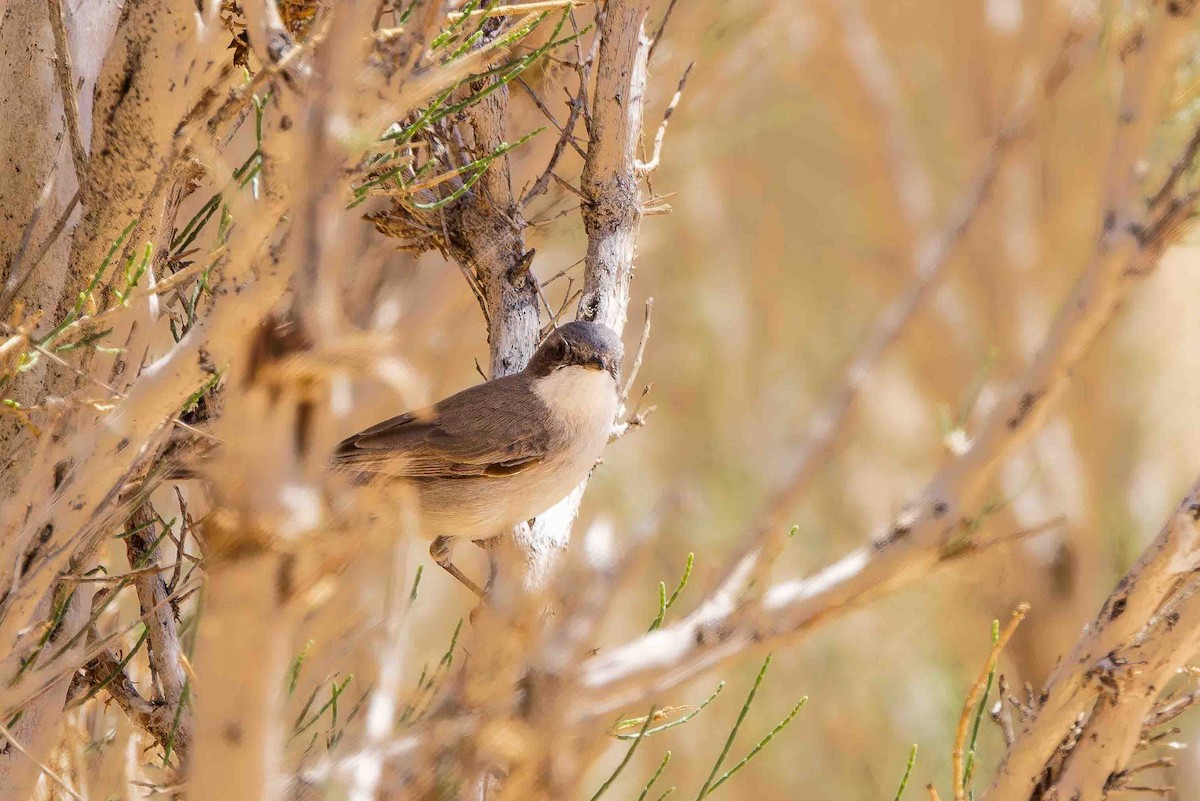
x=592, y=346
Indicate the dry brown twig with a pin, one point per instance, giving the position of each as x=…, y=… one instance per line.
x=958, y=776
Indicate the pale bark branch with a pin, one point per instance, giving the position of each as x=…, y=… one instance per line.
x=164, y=650
x=240, y=663
x=611, y=218
x=492, y=244
x=926, y=533
x=105, y=673
x=139, y=103
x=613, y=213
x=1114, y=674
x=491, y=223
x=1099, y=762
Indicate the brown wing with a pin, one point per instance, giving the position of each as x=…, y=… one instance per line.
x=493, y=429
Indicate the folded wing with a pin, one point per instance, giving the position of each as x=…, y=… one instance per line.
x=496, y=429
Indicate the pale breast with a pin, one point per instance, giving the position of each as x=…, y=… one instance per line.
x=583, y=404
x=584, y=399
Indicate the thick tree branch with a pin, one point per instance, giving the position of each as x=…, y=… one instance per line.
x=613, y=213
x=487, y=235
x=1115, y=672
x=139, y=103
x=611, y=217
x=1140, y=672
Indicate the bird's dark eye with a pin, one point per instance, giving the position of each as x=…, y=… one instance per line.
x=566, y=352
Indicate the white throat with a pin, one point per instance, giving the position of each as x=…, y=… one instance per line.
x=586, y=398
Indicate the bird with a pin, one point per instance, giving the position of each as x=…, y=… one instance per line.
x=502, y=452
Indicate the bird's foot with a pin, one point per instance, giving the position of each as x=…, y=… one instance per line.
x=440, y=550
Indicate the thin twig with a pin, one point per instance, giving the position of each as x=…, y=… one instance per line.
x=561, y=273
x=567, y=136
x=62, y=71
x=1169, y=712
x=21, y=276
x=641, y=351
x=566, y=131
x=658, y=34
x=1000, y=715
x=516, y=8
x=1185, y=162
x=117, y=578
x=1162, y=762
x=958, y=779
x=566, y=185
x=59, y=780
x=656, y=154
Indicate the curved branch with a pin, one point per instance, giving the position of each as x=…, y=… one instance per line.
x=1130, y=629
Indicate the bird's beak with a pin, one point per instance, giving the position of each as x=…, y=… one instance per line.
x=595, y=363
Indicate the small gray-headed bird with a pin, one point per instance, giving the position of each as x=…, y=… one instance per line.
x=501, y=452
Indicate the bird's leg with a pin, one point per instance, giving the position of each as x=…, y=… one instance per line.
x=439, y=549
x=493, y=560
x=493, y=568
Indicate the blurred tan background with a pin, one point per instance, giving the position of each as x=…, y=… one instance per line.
x=780, y=252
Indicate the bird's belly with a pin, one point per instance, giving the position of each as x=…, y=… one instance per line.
x=478, y=508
